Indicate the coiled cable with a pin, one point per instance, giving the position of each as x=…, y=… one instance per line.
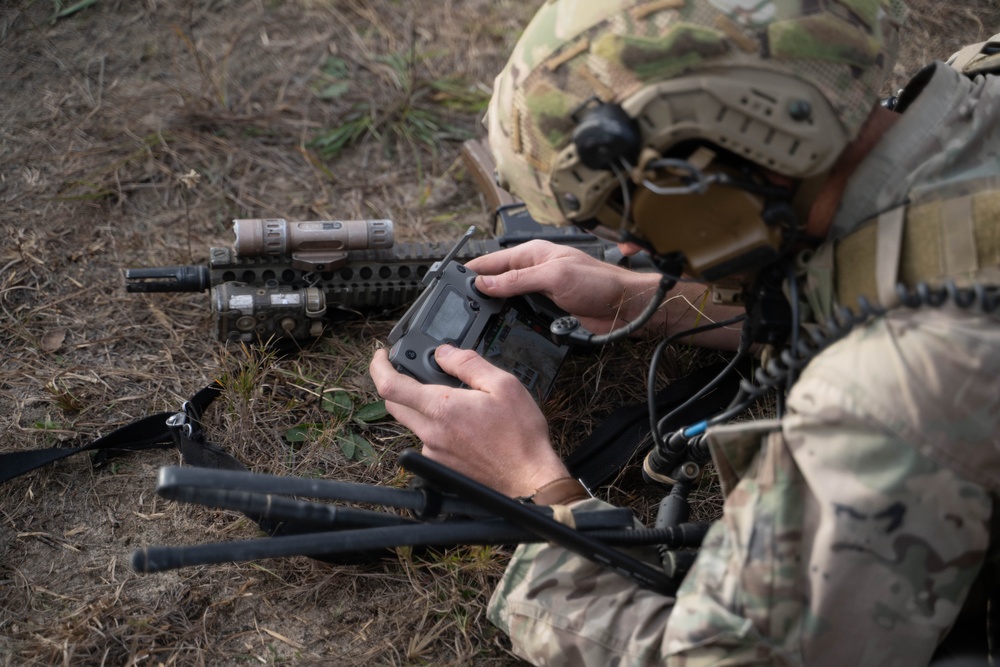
x=781, y=371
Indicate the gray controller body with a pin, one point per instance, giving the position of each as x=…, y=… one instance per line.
x=510, y=333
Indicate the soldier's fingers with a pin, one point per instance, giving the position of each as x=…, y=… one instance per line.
x=420, y=407
x=518, y=257
x=474, y=371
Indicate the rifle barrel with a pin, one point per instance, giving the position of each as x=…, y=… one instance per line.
x=190, y=278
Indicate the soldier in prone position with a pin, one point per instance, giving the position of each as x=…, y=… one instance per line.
x=744, y=141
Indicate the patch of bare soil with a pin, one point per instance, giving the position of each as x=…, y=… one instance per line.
x=131, y=134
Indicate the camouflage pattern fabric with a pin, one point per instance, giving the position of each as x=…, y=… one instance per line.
x=574, y=50
x=852, y=539
x=855, y=530
x=947, y=135
x=936, y=164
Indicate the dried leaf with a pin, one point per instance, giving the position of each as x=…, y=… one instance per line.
x=53, y=340
x=190, y=179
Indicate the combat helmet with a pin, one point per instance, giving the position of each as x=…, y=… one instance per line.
x=605, y=107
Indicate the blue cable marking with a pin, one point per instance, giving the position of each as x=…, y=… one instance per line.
x=697, y=429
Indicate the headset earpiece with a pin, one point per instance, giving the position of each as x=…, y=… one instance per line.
x=606, y=135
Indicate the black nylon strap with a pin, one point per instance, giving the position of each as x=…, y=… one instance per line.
x=147, y=433
x=150, y=432
x=599, y=458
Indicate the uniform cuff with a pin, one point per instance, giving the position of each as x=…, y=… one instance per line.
x=562, y=491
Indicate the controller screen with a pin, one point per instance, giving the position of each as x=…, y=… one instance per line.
x=450, y=317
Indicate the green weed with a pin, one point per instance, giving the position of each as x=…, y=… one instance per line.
x=60, y=11
x=48, y=425
x=350, y=418
x=415, y=112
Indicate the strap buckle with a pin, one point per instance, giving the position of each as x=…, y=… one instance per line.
x=179, y=425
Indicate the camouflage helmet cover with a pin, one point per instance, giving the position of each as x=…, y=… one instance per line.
x=574, y=50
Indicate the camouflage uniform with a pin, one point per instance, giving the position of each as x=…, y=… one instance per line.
x=854, y=527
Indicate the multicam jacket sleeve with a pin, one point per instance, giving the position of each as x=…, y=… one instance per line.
x=852, y=538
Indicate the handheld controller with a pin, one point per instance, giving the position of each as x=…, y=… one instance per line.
x=509, y=333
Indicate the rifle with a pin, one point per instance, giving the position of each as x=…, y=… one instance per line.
x=291, y=280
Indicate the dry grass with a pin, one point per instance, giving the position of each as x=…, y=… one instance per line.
x=130, y=135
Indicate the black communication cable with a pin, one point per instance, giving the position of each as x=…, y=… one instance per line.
x=569, y=327
x=654, y=423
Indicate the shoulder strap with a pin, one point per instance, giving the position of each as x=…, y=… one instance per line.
x=948, y=234
x=981, y=58
x=157, y=431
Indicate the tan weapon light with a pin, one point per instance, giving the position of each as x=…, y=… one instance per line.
x=319, y=245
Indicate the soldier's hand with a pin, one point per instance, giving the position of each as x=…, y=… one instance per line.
x=492, y=432
x=602, y=296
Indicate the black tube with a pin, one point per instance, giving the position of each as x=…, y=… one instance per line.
x=278, y=508
x=174, y=478
x=541, y=526
x=490, y=531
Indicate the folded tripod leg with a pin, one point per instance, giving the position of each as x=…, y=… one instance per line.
x=539, y=525
x=173, y=480
x=261, y=506
x=602, y=525
x=350, y=530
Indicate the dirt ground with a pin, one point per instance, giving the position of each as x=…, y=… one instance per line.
x=131, y=134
